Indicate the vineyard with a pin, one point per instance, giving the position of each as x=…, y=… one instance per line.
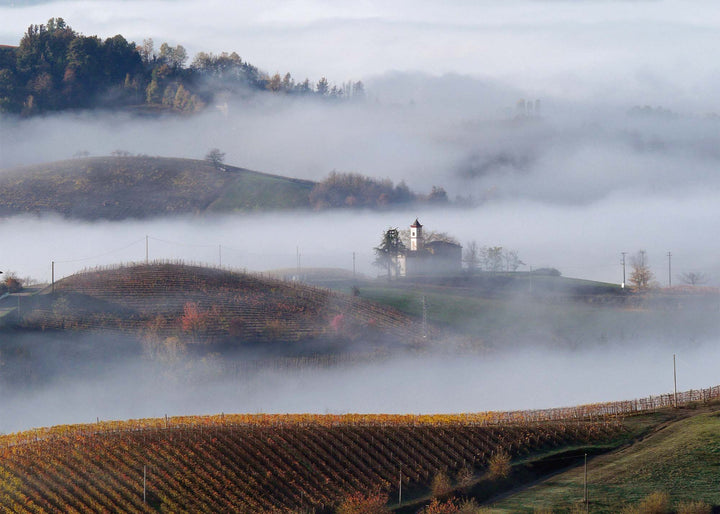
x=287, y=462
x=257, y=463
x=200, y=304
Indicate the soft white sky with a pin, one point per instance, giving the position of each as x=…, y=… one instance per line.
x=642, y=51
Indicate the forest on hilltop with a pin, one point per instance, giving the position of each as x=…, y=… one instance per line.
x=55, y=68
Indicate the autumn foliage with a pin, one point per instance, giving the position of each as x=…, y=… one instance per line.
x=256, y=463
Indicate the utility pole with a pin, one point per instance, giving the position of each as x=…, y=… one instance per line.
x=147, y=250
x=531, y=280
x=52, y=276
x=623, y=265
x=353, y=265
x=297, y=255
x=424, y=322
x=585, y=496
x=220, y=256
x=400, y=488
x=669, y=269
x=675, y=380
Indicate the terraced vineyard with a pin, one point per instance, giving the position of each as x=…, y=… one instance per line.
x=204, y=304
x=257, y=463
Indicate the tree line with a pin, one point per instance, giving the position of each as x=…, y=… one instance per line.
x=356, y=190
x=55, y=68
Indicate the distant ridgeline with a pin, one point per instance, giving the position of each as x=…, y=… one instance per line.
x=124, y=186
x=55, y=68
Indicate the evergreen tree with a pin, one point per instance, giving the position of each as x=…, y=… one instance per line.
x=387, y=253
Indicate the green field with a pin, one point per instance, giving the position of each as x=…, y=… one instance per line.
x=560, y=312
x=681, y=458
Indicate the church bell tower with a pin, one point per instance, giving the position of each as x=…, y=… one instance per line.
x=416, y=237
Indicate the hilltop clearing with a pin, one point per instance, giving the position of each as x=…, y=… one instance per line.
x=117, y=188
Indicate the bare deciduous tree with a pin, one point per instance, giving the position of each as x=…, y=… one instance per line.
x=694, y=278
x=493, y=258
x=471, y=256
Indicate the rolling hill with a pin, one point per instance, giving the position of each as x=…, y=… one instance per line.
x=679, y=457
x=117, y=188
x=260, y=463
x=197, y=304
x=326, y=463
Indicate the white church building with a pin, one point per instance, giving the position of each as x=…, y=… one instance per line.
x=431, y=258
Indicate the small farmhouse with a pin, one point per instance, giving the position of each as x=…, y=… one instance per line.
x=431, y=258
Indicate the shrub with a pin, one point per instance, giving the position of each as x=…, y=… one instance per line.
x=364, y=503
x=440, y=485
x=550, y=272
x=194, y=321
x=11, y=284
x=499, y=466
x=438, y=507
x=694, y=507
x=654, y=503
x=471, y=506
x=464, y=477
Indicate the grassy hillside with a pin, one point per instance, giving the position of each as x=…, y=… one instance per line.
x=680, y=458
x=139, y=187
x=562, y=312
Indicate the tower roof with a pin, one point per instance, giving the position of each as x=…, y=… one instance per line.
x=416, y=224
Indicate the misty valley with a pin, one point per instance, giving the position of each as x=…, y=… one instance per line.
x=191, y=327
x=144, y=341
x=467, y=265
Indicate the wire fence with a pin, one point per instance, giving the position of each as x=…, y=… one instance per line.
x=609, y=412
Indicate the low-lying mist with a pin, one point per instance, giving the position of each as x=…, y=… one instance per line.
x=133, y=387
x=609, y=151
x=582, y=241
x=460, y=132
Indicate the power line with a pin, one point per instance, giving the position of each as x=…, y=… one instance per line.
x=110, y=252
x=183, y=244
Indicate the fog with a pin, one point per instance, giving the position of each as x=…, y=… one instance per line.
x=430, y=384
x=570, y=186
x=580, y=241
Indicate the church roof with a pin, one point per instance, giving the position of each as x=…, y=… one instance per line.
x=416, y=224
x=442, y=243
